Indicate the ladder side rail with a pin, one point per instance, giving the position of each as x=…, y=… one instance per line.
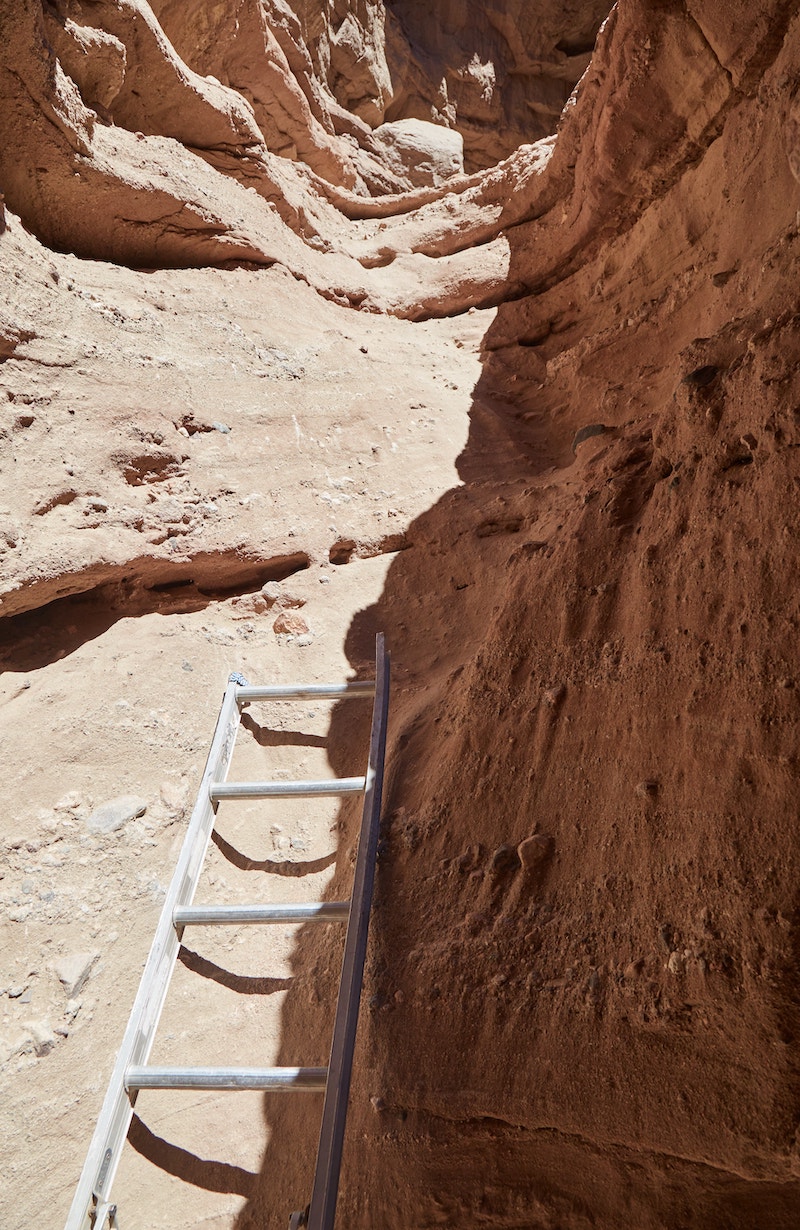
x=112, y=1125
x=322, y=1210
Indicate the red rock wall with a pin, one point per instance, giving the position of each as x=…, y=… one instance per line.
x=583, y=991
x=115, y=114
x=500, y=73
x=600, y=1027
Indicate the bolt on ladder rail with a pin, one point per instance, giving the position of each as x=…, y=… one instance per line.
x=92, y=1207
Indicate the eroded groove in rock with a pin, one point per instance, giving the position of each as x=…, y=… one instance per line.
x=346, y=549
x=147, y=584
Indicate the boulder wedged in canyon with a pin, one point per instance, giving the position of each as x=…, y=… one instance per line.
x=582, y=995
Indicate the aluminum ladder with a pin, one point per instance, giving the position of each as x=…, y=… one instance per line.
x=92, y=1207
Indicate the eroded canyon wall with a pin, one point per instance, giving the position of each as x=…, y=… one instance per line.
x=117, y=114
x=499, y=72
x=594, y=833
x=584, y=993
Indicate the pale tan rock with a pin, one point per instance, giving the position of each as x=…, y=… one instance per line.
x=112, y=816
x=424, y=154
x=73, y=971
x=174, y=795
x=289, y=623
x=14, y=1042
x=42, y=1036
x=535, y=850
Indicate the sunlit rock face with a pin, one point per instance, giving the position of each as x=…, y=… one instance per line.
x=131, y=113
x=497, y=72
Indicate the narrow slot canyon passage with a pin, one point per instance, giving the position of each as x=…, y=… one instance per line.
x=476, y=326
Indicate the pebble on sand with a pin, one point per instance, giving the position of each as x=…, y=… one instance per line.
x=647, y=789
x=675, y=962
x=290, y=624
x=44, y=1039
x=73, y=971
x=112, y=816
x=505, y=858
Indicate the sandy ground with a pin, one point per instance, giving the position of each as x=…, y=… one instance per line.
x=337, y=439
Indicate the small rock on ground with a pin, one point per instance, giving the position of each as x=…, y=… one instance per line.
x=290, y=624
x=505, y=858
x=44, y=1039
x=73, y=971
x=112, y=816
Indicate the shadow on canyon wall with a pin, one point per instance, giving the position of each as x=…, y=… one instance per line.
x=509, y=1072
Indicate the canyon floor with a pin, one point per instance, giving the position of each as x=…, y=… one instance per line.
x=315, y=437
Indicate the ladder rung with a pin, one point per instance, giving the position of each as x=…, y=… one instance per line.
x=270, y=790
x=304, y=1080
x=311, y=691
x=210, y=915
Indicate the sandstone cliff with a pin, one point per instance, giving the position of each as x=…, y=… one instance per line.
x=539, y=423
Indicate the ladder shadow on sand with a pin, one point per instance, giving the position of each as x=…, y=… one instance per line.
x=241, y=983
x=212, y=1176
x=282, y=867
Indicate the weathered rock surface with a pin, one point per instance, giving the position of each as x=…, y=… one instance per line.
x=426, y=154
x=499, y=73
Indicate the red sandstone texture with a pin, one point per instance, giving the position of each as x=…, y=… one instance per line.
x=581, y=1006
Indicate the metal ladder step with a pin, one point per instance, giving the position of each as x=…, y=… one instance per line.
x=220, y=915
x=299, y=1080
x=312, y=691
x=281, y=790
